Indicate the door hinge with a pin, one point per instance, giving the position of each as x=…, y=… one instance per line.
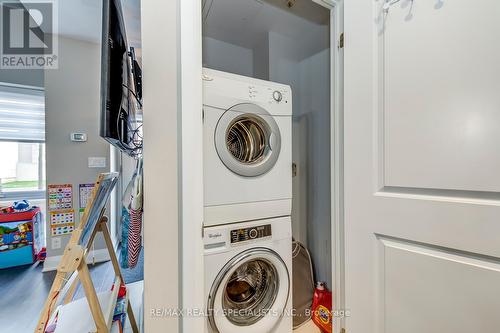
x=294, y=169
x=341, y=41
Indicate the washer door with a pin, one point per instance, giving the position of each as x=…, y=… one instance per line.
x=248, y=140
x=250, y=293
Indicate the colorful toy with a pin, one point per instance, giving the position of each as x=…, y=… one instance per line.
x=4, y=230
x=25, y=227
x=6, y=210
x=21, y=236
x=21, y=206
x=42, y=254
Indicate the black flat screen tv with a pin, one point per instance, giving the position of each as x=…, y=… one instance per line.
x=119, y=99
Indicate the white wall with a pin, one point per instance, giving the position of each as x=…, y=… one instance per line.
x=29, y=77
x=73, y=105
x=227, y=57
x=310, y=81
x=261, y=58
x=162, y=267
x=314, y=154
x=284, y=68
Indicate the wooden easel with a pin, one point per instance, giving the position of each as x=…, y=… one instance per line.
x=73, y=266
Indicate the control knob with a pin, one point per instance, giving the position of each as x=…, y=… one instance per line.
x=253, y=233
x=277, y=96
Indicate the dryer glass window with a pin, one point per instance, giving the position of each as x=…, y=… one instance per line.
x=250, y=292
x=247, y=139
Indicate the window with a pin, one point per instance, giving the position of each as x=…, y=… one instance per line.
x=22, y=142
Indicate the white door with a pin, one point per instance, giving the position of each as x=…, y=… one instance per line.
x=422, y=166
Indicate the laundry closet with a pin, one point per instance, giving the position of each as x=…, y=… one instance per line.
x=287, y=42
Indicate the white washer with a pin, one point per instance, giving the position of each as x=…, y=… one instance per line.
x=248, y=277
x=247, y=148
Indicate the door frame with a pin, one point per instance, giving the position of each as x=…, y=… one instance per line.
x=191, y=173
x=337, y=156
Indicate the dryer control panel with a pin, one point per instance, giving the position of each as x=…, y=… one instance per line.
x=246, y=234
x=272, y=95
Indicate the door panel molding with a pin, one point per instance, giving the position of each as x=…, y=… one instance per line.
x=403, y=264
x=461, y=172
x=455, y=196
x=396, y=285
x=445, y=253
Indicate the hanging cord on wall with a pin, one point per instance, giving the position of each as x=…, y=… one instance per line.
x=133, y=94
x=136, y=142
x=389, y=3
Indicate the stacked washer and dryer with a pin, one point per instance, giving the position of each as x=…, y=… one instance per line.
x=248, y=199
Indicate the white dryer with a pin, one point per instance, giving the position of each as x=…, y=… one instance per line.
x=247, y=148
x=248, y=277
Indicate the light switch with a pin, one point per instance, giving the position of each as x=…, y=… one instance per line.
x=97, y=162
x=78, y=137
x=56, y=243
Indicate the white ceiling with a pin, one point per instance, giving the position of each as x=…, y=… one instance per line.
x=240, y=22
x=246, y=22
x=82, y=20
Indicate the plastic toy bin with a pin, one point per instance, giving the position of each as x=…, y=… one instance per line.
x=20, y=237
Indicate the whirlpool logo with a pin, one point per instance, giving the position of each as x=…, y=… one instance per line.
x=215, y=235
x=29, y=34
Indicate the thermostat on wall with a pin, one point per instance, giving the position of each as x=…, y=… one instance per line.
x=97, y=162
x=78, y=137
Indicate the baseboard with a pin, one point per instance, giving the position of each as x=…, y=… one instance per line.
x=95, y=256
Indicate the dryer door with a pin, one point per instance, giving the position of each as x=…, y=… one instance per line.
x=250, y=293
x=248, y=140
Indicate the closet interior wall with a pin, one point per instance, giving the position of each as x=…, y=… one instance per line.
x=267, y=40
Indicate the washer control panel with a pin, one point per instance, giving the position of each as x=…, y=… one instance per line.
x=247, y=234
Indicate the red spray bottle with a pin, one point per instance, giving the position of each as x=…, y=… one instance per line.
x=322, y=308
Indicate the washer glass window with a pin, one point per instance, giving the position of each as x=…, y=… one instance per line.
x=250, y=292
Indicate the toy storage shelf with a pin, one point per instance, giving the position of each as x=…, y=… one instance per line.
x=21, y=237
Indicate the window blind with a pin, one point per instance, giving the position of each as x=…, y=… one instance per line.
x=22, y=113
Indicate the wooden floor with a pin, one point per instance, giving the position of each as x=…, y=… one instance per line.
x=308, y=327
x=23, y=291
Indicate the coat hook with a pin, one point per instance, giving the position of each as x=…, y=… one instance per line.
x=389, y=3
